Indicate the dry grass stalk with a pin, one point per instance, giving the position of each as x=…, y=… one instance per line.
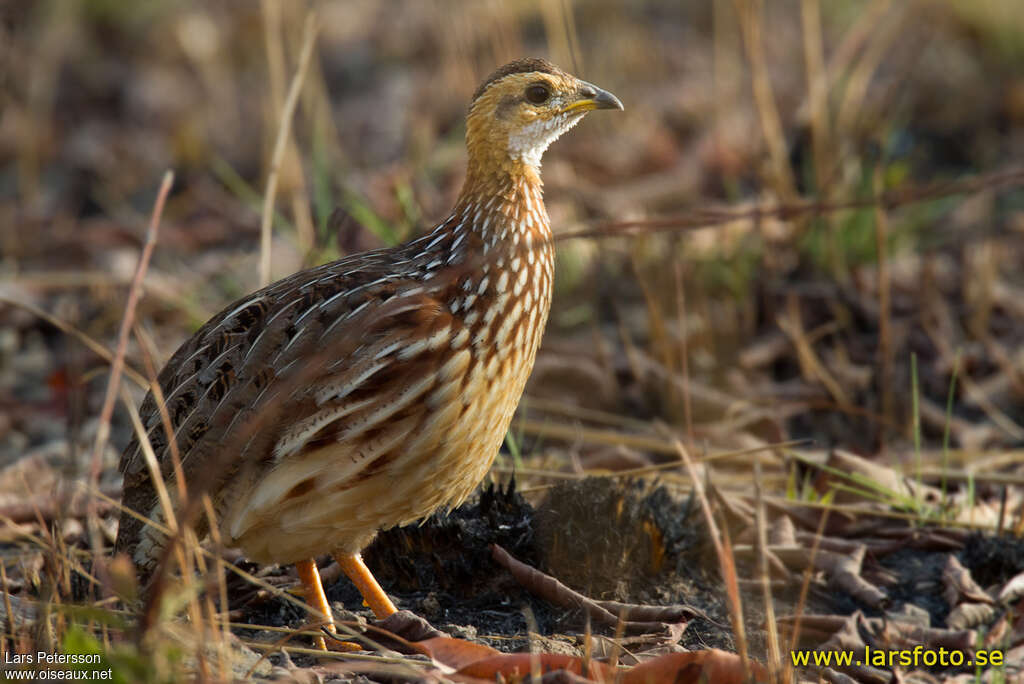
x=10, y=624
x=117, y=362
x=811, y=367
x=998, y=417
x=657, y=324
x=222, y=583
x=817, y=91
x=534, y=403
x=272, y=34
x=862, y=72
x=148, y=353
x=751, y=18
x=885, y=351
x=223, y=564
x=183, y=553
x=572, y=433
x=560, y=29
x=865, y=25
x=280, y=144
x=684, y=348
x=1009, y=177
x=805, y=587
x=822, y=143
x=166, y=505
x=859, y=511
x=723, y=551
x=596, y=436
x=774, y=653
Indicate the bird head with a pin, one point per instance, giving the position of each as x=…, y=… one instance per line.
x=522, y=108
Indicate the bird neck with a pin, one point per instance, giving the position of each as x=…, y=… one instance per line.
x=504, y=204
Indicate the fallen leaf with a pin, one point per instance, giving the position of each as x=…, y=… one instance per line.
x=711, y=665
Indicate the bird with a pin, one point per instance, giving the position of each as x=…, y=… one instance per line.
x=371, y=391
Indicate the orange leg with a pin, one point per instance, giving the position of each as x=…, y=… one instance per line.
x=315, y=597
x=373, y=596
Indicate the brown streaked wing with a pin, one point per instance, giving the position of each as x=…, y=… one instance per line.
x=249, y=368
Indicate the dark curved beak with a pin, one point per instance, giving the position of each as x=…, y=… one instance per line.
x=592, y=97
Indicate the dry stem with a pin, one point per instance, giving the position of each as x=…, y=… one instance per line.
x=280, y=145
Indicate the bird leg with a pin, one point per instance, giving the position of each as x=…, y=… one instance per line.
x=373, y=596
x=315, y=597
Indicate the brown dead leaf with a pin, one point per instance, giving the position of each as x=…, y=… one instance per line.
x=485, y=663
x=519, y=665
x=711, y=665
x=783, y=532
x=843, y=570
x=847, y=577
x=814, y=629
x=1012, y=590
x=881, y=476
x=958, y=586
x=967, y=615
x=895, y=635
x=455, y=653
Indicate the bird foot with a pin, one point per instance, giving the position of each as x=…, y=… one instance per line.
x=331, y=642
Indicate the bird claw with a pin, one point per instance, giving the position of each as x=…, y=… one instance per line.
x=331, y=642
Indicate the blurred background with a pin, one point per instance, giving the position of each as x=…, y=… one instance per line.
x=808, y=224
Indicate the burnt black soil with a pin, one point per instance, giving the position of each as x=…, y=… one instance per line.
x=993, y=559
x=625, y=541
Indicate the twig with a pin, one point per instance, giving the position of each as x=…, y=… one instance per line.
x=711, y=217
x=117, y=363
x=280, y=145
x=634, y=618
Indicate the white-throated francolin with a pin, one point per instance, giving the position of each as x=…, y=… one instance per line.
x=370, y=391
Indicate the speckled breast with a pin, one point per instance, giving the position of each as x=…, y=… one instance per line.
x=504, y=311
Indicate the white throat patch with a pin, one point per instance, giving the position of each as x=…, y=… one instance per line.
x=530, y=143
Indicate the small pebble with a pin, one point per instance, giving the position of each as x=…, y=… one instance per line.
x=430, y=607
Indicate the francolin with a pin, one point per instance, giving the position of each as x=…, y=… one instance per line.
x=370, y=391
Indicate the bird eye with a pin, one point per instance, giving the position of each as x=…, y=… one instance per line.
x=538, y=94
